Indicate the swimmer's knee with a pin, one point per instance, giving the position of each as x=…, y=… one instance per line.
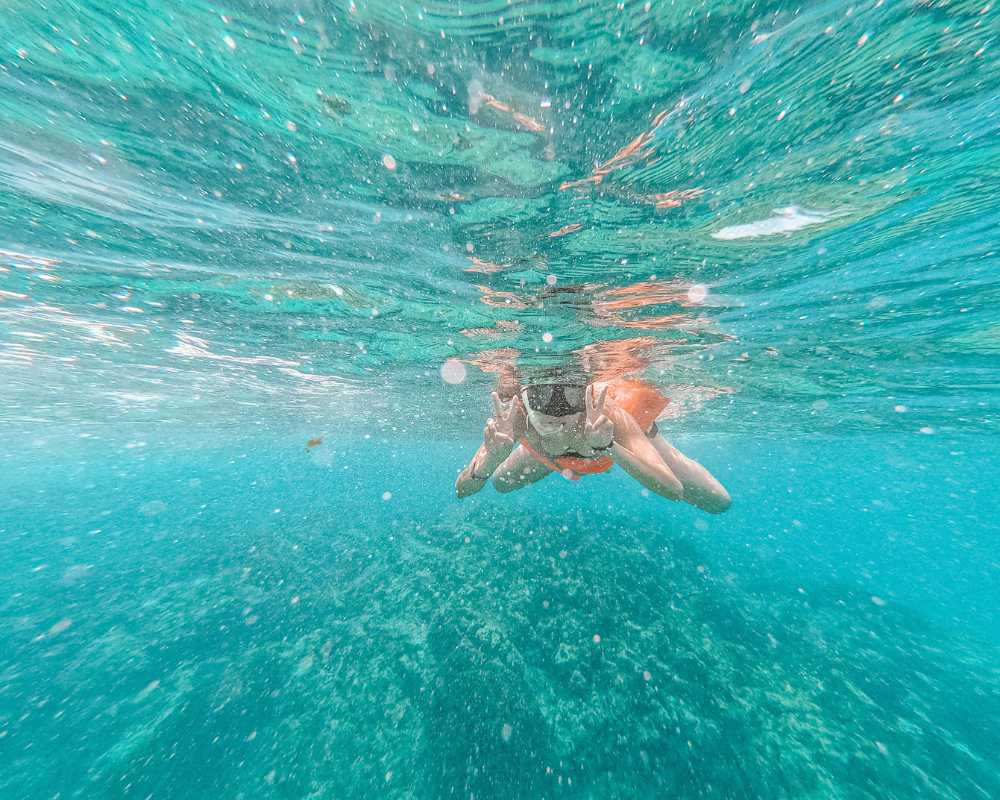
x=716, y=502
x=721, y=505
x=504, y=484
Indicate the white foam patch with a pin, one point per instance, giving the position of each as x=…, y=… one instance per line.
x=193, y=347
x=44, y=316
x=785, y=220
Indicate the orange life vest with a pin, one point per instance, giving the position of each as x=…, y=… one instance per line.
x=571, y=467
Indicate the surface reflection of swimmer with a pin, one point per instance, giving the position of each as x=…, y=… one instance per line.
x=578, y=430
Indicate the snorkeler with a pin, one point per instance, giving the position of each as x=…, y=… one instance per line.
x=579, y=430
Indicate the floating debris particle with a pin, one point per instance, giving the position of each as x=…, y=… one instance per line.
x=566, y=229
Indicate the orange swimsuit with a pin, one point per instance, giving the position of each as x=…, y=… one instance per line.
x=638, y=398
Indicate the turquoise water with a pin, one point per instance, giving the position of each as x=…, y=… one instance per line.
x=261, y=265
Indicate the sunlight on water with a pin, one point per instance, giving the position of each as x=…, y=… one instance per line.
x=261, y=265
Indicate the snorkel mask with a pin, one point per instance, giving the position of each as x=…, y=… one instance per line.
x=550, y=405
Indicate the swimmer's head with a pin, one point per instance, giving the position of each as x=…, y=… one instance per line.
x=553, y=408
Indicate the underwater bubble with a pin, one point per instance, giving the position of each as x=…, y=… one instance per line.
x=152, y=508
x=150, y=687
x=697, y=293
x=76, y=572
x=453, y=371
x=304, y=665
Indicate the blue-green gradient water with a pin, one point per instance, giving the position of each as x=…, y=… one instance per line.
x=261, y=264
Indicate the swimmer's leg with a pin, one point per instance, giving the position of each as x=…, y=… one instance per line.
x=519, y=470
x=700, y=487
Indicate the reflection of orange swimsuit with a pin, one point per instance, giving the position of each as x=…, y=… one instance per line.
x=638, y=398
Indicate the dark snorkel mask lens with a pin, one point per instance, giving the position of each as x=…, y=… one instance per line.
x=555, y=400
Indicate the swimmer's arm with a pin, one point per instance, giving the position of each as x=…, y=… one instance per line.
x=500, y=436
x=701, y=488
x=634, y=453
x=484, y=463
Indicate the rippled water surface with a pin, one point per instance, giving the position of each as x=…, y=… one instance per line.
x=260, y=266
x=280, y=204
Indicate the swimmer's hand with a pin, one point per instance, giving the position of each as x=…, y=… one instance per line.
x=507, y=425
x=598, y=430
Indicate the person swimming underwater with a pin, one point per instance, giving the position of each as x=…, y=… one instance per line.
x=577, y=430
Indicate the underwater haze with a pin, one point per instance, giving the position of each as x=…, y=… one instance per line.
x=261, y=265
